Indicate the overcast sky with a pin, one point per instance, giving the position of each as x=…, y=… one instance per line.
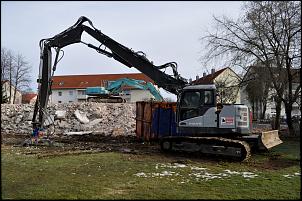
x=165, y=31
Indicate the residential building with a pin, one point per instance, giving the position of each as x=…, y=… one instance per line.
x=265, y=101
x=226, y=82
x=9, y=92
x=29, y=98
x=72, y=88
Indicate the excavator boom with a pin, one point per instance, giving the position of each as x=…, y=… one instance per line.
x=117, y=51
x=202, y=124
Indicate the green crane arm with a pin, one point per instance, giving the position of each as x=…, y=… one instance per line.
x=116, y=86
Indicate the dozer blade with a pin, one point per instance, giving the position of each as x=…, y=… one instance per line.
x=268, y=140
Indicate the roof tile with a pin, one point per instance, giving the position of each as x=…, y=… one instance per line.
x=208, y=79
x=27, y=97
x=84, y=81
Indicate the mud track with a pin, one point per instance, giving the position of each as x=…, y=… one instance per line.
x=79, y=144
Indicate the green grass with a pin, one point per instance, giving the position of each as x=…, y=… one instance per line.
x=112, y=176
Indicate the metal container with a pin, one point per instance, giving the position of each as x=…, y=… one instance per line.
x=155, y=120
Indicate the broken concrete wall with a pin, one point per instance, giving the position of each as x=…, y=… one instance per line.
x=100, y=118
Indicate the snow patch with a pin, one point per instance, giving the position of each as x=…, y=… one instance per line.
x=292, y=175
x=198, y=173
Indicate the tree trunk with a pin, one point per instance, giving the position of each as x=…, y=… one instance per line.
x=257, y=112
x=16, y=85
x=11, y=68
x=10, y=83
x=289, y=121
x=253, y=108
x=264, y=109
x=264, y=100
x=277, y=118
x=15, y=92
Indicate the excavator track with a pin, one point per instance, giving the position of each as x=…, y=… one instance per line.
x=217, y=147
x=107, y=100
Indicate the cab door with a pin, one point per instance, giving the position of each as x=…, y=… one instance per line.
x=189, y=105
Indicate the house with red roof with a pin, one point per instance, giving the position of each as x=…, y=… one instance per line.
x=29, y=98
x=226, y=82
x=72, y=88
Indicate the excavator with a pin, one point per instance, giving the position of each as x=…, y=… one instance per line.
x=203, y=125
x=118, y=85
x=113, y=93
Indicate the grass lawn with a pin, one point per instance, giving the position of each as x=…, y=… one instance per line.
x=112, y=175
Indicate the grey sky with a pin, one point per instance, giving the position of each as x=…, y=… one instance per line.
x=165, y=31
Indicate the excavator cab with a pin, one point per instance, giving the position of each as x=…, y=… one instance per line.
x=198, y=113
x=195, y=101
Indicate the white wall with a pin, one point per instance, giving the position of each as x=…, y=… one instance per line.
x=140, y=95
x=230, y=79
x=65, y=98
x=134, y=95
x=6, y=93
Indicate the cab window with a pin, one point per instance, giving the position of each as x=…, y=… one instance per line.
x=189, y=104
x=191, y=99
x=208, y=98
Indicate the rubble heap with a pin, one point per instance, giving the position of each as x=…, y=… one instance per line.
x=99, y=118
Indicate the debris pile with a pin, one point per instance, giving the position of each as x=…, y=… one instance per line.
x=112, y=119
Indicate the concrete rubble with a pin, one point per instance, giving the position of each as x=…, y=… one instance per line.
x=98, y=118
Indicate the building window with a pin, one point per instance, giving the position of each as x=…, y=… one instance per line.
x=81, y=92
x=60, y=93
x=59, y=101
x=105, y=83
x=70, y=101
x=70, y=93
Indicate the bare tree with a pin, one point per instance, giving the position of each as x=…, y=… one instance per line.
x=16, y=70
x=4, y=98
x=257, y=88
x=3, y=63
x=7, y=66
x=21, y=75
x=227, y=88
x=268, y=33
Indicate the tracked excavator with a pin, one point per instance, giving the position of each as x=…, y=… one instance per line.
x=203, y=125
x=113, y=93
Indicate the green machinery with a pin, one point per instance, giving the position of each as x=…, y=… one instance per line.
x=113, y=93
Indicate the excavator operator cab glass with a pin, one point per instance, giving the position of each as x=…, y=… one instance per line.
x=194, y=103
x=208, y=97
x=190, y=99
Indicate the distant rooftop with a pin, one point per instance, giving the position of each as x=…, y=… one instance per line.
x=84, y=81
x=208, y=79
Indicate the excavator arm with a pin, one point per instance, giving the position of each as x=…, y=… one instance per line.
x=117, y=51
x=116, y=86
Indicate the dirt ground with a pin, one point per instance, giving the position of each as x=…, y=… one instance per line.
x=77, y=144
x=88, y=143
